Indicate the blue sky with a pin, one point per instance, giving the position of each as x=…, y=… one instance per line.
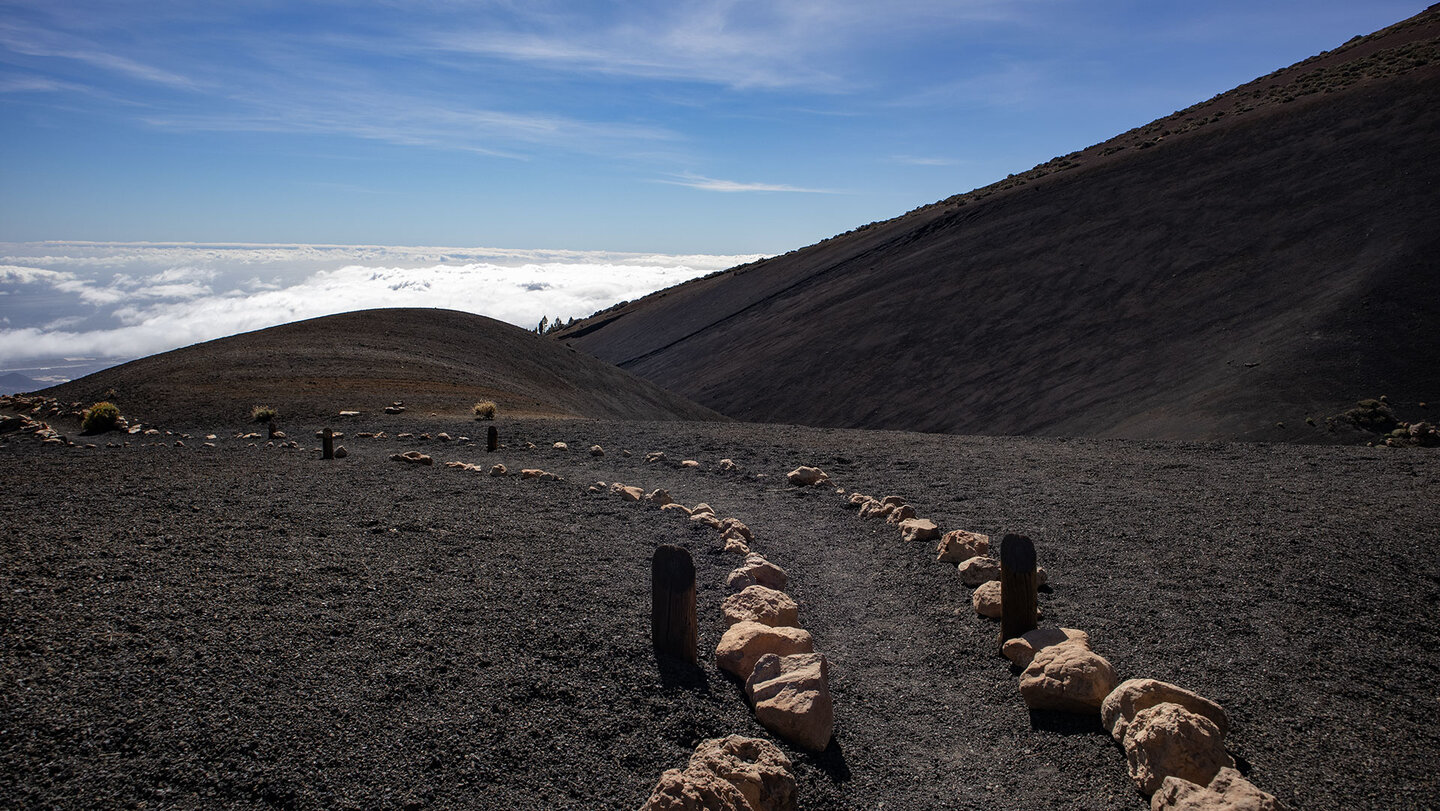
x=684, y=127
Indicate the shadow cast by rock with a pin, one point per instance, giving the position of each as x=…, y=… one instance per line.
x=1067, y=723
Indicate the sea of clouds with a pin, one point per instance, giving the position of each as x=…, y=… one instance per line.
x=70, y=308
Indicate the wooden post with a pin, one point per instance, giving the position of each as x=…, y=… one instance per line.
x=1017, y=586
x=492, y=440
x=327, y=444
x=672, y=603
x=272, y=428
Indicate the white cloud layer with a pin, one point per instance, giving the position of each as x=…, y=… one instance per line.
x=122, y=301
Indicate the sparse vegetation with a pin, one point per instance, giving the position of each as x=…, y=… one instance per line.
x=263, y=413
x=484, y=410
x=100, y=417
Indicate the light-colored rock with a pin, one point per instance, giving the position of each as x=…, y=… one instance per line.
x=757, y=571
x=443, y=437
x=560, y=446
x=728, y=465
x=597, y=451
x=744, y=643
x=689, y=463
x=1228, y=791
x=702, y=507
x=919, y=529
x=858, y=499
x=1134, y=695
x=659, y=497
x=875, y=509
x=498, y=470
x=631, y=493
x=413, y=457
x=728, y=774
x=340, y=452
x=734, y=526
x=1070, y=678
x=1022, y=649
x=349, y=413
x=736, y=546
x=807, y=476
x=708, y=519
x=1167, y=740
x=673, y=507
x=902, y=513
x=892, y=501
x=958, y=546
x=979, y=569
x=531, y=473
x=986, y=600
x=763, y=605
x=791, y=697
x=655, y=456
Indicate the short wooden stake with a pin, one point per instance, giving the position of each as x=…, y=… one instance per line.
x=492, y=440
x=1018, y=583
x=272, y=428
x=672, y=603
x=327, y=444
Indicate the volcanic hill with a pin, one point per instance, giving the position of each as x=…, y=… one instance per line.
x=433, y=360
x=1257, y=259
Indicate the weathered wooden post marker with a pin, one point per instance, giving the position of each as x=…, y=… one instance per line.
x=272, y=428
x=672, y=603
x=1017, y=586
x=492, y=440
x=327, y=444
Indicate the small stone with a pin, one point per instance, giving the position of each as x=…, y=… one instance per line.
x=757, y=571
x=1167, y=740
x=958, y=545
x=341, y=453
x=919, y=529
x=443, y=437
x=560, y=446
x=531, y=473
x=858, y=499
x=736, y=546
x=655, y=456
x=689, y=463
x=632, y=493
x=979, y=569
x=766, y=606
x=733, y=525
x=673, y=507
x=728, y=774
x=1134, y=695
x=1070, y=678
x=902, y=513
x=986, y=600
x=806, y=476
x=659, y=497
x=744, y=643
x=728, y=465
x=597, y=451
x=498, y=470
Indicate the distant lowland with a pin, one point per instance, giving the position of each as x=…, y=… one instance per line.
x=1249, y=268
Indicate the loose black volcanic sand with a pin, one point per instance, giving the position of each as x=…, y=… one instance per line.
x=188, y=627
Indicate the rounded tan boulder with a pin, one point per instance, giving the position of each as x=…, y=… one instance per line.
x=757, y=571
x=743, y=774
x=919, y=529
x=1022, y=649
x=958, y=546
x=1134, y=695
x=1069, y=678
x=791, y=696
x=745, y=642
x=986, y=600
x=763, y=605
x=1167, y=740
x=1228, y=791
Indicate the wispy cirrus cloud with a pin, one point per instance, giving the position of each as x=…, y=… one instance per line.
x=713, y=184
x=32, y=41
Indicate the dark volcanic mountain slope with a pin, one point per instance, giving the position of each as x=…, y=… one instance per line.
x=433, y=360
x=1261, y=257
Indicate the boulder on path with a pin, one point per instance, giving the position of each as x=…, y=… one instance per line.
x=870, y=507
x=757, y=571
x=858, y=499
x=986, y=600
x=340, y=452
x=702, y=507
x=673, y=507
x=1022, y=649
x=807, y=476
x=979, y=569
x=744, y=643
x=631, y=493
x=689, y=463
x=958, y=546
x=735, y=546
x=1069, y=678
x=791, y=697
x=733, y=526
x=1134, y=695
x=1167, y=740
x=766, y=606
x=655, y=456
x=660, y=496
x=919, y=529
x=498, y=470
x=413, y=457
x=728, y=465
x=1228, y=791
x=597, y=451
x=728, y=774
x=560, y=446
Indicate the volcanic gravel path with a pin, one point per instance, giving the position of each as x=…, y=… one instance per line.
x=188, y=627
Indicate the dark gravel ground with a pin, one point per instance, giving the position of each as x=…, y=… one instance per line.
x=188, y=627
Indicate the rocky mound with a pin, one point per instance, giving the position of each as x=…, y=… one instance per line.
x=439, y=361
x=1229, y=271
